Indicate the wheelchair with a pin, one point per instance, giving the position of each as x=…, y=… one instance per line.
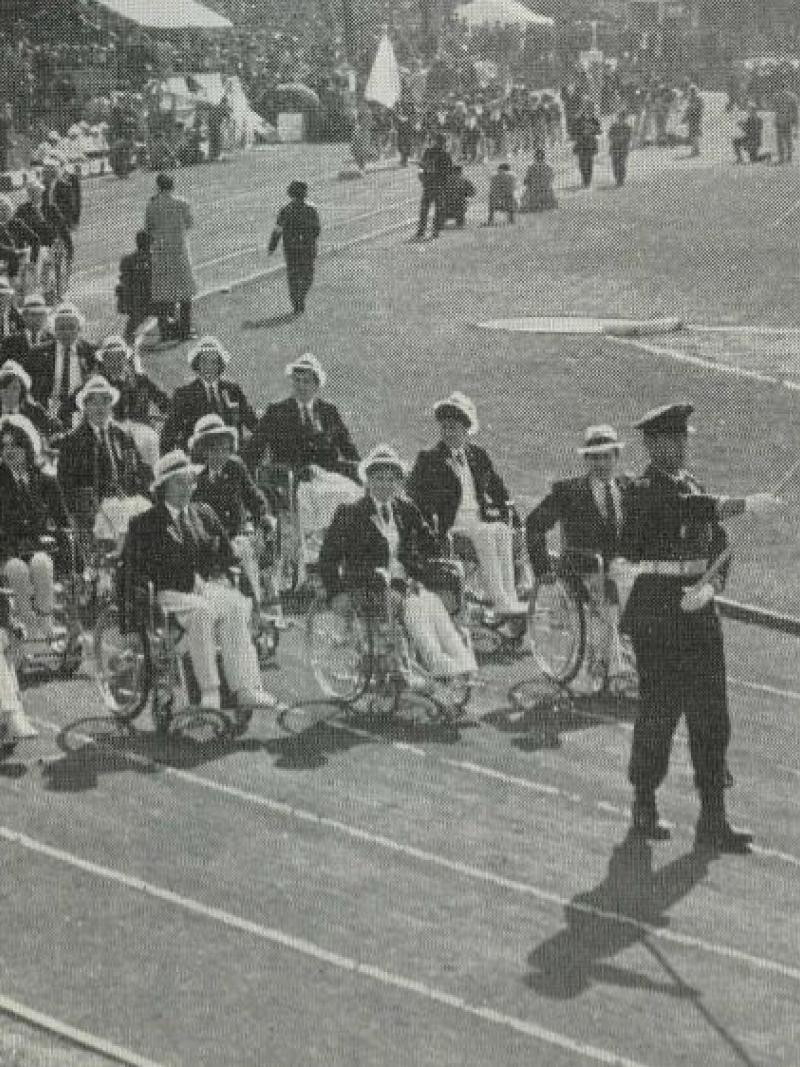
x=59, y=652
x=364, y=654
x=147, y=663
x=564, y=616
x=508, y=634
x=11, y=635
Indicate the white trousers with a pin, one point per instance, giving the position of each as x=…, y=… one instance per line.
x=215, y=608
x=245, y=551
x=32, y=586
x=435, y=638
x=318, y=499
x=146, y=441
x=494, y=547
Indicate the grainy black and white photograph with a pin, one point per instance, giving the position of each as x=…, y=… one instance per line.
x=399, y=509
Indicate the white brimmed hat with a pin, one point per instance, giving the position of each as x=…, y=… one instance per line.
x=35, y=302
x=175, y=462
x=212, y=425
x=69, y=311
x=600, y=439
x=459, y=406
x=114, y=340
x=208, y=344
x=5, y=284
x=19, y=422
x=12, y=369
x=307, y=362
x=382, y=456
x=97, y=385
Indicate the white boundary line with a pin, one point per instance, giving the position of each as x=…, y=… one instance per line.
x=318, y=953
x=480, y=874
x=73, y=1035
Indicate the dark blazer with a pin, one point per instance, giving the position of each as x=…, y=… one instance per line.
x=80, y=473
x=583, y=527
x=155, y=551
x=39, y=361
x=15, y=325
x=14, y=237
x=233, y=495
x=190, y=402
x=290, y=442
x=48, y=426
x=136, y=396
x=353, y=545
x=29, y=513
x=65, y=197
x=40, y=223
x=25, y=350
x=435, y=487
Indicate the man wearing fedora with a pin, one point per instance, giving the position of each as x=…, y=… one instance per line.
x=298, y=227
x=23, y=345
x=98, y=459
x=457, y=488
x=182, y=549
x=589, y=511
x=672, y=532
x=62, y=364
x=16, y=399
x=211, y=392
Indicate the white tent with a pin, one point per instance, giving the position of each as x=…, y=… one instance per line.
x=168, y=14
x=506, y=12
x=383, y=84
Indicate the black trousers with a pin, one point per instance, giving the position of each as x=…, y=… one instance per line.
x=299, y=277
x=586, y=167
x=431, y=196
x=165, y=311
x=619, y=166
x=681, y=664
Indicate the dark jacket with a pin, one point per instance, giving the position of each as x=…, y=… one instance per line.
x=29, y=513
x=435, y=487
x=299, y=227
x=584, y=528
x=15, y=325
x=83, y=476
x=137, y=394
x=44, y=224
x=435, y=166
x=291, y=443
x=233, y=495
x=135, y=283
x=155, y=551
x=14, y=237
x=190, y=401
x=586, y=130
x=65, y=196
x=48, y=426
x=39, y=360
x=353, y=545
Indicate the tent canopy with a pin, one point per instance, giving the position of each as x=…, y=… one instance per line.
x=168, y=14
x=506, y=12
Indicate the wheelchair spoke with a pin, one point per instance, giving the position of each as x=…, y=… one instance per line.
x=339, y=652
x=557, y=630
x=122, y=667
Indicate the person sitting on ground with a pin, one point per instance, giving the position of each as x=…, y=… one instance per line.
x=538, y=194
x=752, y=127
x=210, y=392
x=589, y=511
x=33, y=508
x=16, y=399
x=384, y=530
x=134, y=290
x=502, y=193
x=457, y=191
x=182, y=549
x=458, y=490
x=226, y=485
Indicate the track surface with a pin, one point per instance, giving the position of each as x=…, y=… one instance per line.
x=379, y=893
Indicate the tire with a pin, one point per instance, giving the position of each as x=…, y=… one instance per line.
x=339, y=649
x=123, y=666
x=557, y=629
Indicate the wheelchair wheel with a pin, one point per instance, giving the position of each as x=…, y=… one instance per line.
x=557, y=629
x=123, y=667
x=340, y=652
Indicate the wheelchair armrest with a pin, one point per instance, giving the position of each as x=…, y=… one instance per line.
x=577, y=561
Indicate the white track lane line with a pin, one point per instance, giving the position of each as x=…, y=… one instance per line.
x=480, y=874
x=761, y=687
x=73, y=1035
x=322, y=955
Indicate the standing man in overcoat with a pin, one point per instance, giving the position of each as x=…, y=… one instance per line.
x=298, y=227
x=168, y=219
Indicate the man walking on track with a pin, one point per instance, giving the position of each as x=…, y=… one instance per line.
x=672, y=531
x=435, y=167
x=167, y=220
x=299, y=227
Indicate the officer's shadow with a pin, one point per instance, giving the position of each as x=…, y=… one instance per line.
x=611, y=918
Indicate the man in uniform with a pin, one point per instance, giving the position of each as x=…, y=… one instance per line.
x=672, y=530
x=435, y=167
x=298, y=225
x=785, y=106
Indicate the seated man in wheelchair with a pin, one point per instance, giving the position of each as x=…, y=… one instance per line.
x=181, y=549
x=458, y=491
x=384, y=530
x=308, y=436
x=588, y=509
x=226, y=485
x=32, y=508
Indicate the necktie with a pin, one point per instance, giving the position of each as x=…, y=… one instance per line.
x=460, y=458
x=184, y=525
x=213, y=398
x=65, y=376
x=386, y=513
x=308, y=418
x=611, y=509
x=108, y=465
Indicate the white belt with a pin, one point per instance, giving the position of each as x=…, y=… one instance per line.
x=684, y=568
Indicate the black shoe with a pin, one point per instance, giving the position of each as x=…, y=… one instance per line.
x=647, y=824
x=722, y=837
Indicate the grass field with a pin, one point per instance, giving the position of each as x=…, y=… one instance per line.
x=382, y=895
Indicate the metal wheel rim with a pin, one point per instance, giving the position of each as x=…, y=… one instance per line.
x=351, y=679
x=556, y=630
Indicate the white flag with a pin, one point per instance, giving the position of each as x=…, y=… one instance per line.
x=383, y=84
